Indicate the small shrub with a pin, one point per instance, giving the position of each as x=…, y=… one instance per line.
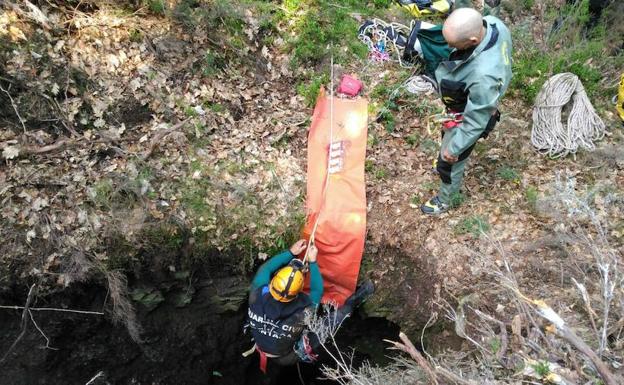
x=323, y=28
x=156, y=6
x=381, y=173
x=211, y=63
x=531, y=196
x=429, y=186
x=372, y=140
x=495, y=345
x=507, y=173
x=382, y=3
x=190, y=112
x=135, y=35
x=528, y=4
x=541, y=368
x=381, y=91
x=475, y=225
x=429, y=146
x=387, y=119
x=457, y=199
x=102, y=193
x=413, y=139
x=310, y=90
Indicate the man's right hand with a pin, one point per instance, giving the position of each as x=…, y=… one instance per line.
x=312, y=253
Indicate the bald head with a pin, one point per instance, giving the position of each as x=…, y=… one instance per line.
x=463, y=28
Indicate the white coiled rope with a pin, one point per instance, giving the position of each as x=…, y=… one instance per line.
x=419, y=84
x=553, y=137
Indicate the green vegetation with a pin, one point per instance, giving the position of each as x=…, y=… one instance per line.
x=211, y=63
x=532, y=68
x=474, y=224
x=429, y=146
x=508, y=173
x=531, y=196
x=568, y=48
x=372, y=140
x=387, y=119
x=457, y=199
x=542, y=369
x=320, y=28
x=379, y=172
x=495, y=345
x=413, y=139
x=430, y=186
x=309, y=90
x=528, y=4
x=102, y=193
x=156, y=6
x=135, y=35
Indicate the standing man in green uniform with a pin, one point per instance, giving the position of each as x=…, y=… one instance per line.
x=471, y=83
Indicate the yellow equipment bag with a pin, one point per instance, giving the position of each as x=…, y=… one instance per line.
x=620, y=99
x=419, y=8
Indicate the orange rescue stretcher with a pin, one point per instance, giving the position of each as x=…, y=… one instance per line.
x=341, y=205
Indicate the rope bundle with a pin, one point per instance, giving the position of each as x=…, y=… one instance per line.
x=419, y=84
x=550, y=135
x=381, y=46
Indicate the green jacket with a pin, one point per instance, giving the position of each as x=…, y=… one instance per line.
x=474, y=82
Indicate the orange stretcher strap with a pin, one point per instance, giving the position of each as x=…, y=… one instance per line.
x=341, y=207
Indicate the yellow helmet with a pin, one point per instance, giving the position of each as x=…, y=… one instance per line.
x=287, y=283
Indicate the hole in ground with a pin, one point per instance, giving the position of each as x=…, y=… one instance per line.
x=358, y=335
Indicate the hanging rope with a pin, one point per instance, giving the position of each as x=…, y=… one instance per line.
x=550, y=135
x=331, y=141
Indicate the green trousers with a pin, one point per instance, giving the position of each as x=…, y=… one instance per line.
x=455, y=171
x=452, y=174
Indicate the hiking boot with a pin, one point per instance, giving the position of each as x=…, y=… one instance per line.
x=365, y=290
x=434, y=206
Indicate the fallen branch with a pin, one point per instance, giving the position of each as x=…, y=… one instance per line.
x=56, y=146
x=14, y=108
x=602, y=368
x=562, y=330
x=98, y=375
x=51, y=309
x=408, y=347
x=24, y=323
x=444, y=372
x=159, y=136
x=61, y=144
x=35, y=13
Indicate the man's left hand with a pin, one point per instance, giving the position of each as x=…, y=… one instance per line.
x=298, y=247
x=448, y=157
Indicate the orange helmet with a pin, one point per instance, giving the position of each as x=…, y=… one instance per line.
x=287, y=283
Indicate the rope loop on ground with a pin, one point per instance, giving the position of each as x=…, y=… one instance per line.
x=419, y=84
x=564, y=94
